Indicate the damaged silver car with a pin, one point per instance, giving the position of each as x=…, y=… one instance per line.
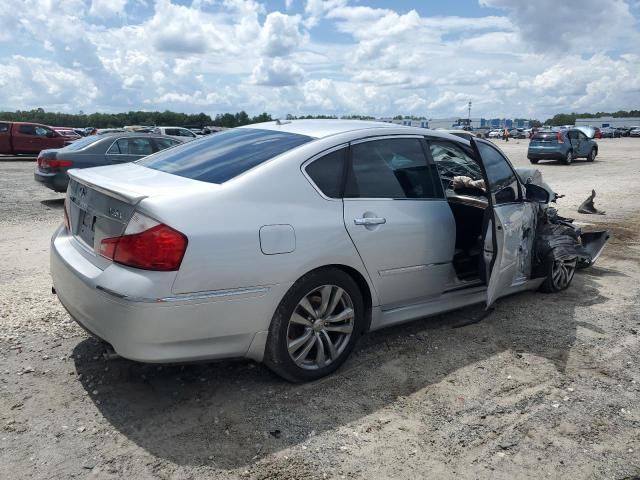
x=284, y=241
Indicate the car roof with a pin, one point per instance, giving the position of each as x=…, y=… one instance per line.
x=321, y=128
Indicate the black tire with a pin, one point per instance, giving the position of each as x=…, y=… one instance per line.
x=558, y=274
x=568, y=158
x=592, y=155
x=277, y=356
x=534, y=160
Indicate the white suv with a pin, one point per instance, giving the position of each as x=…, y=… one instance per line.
x=183, y=134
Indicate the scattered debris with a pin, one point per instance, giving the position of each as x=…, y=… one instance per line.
x=588, y=207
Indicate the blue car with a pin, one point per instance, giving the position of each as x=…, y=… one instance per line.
x=565, y=146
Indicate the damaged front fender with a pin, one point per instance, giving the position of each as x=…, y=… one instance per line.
x=558, y=238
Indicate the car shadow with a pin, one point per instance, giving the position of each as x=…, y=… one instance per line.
x=57, y=203
x=229, y=414
x=580, y=162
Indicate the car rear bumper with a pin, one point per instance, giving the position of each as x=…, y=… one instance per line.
x=54, y=181
x=212, y=325
x=542, y=155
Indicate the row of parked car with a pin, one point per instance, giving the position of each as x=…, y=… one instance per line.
x=30, y=138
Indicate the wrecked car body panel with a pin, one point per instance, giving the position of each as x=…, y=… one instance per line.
x=560, y=239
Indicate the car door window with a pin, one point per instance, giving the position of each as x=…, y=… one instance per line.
x=503, y=182
x=27, y=129
x=186, y=133
x=132, y=146
x=4, y=127
x=454, y=161
x=391, y=168
x=327, y=173
x=42, y=132
x=172, y=131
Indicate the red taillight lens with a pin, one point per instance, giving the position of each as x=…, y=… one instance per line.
x=559, y=137
x=158, y=248
x=53, y=164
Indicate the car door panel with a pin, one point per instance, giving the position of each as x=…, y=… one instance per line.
x=398, y=219
x=508, y=240
x=407, y=248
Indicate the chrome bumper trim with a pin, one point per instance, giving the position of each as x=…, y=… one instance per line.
x=234, y=292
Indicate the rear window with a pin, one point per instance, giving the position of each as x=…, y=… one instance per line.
x=545, y=136
x=220, y=157
x=82, y=143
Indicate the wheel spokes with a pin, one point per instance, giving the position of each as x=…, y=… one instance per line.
x=320, y=327
x=306, y=305
x=294, y=345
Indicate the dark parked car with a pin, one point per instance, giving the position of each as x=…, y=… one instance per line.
x=94, y=151
x=565, y=145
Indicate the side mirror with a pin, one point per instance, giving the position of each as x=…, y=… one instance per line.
x=536, y=193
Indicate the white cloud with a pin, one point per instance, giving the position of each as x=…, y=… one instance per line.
x=276, y=72
x=227, y=55
x=107, y=8
x=280, y=34
x=589, y=25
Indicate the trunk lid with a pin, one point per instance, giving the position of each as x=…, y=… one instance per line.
x=102, y=200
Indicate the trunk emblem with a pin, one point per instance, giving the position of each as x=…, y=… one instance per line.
x=115, y=213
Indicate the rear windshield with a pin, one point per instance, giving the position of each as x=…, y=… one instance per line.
x=82, y=143
x=220, y=157
x=548, y=136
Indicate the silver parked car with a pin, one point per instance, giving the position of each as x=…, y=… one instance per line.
x=284, y=241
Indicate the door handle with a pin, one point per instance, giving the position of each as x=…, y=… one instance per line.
x=370, y=221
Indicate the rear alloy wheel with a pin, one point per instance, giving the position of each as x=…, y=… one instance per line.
x=315, y=326
x=569, y=158
x=592, y=155
x=559, y=274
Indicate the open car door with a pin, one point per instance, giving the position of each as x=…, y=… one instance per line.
x=509, y=225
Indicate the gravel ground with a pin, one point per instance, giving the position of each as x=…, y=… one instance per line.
x=546, y=386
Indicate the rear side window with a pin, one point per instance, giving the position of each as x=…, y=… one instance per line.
x=172, y=131
x=327, y=173
x=163, y=143
x=220, y=157
x=4, y=127
x=391, y=168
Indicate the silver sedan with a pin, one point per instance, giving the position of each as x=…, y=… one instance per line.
x=284, y=241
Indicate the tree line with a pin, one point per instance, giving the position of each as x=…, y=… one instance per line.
x=570, y=118
x=229, y=120
x=113, y=120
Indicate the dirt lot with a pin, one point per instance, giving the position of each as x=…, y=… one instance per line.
x=547, y=386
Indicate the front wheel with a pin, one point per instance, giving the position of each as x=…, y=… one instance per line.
x=568, y=158
x=559, y=274
x=315, y=327
x=592, y=155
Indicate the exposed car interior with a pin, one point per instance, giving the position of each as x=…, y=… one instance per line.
x=464, y=187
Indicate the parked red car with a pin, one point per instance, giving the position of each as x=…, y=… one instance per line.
x=23, y=137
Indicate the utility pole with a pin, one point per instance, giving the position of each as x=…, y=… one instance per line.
x=469, y=116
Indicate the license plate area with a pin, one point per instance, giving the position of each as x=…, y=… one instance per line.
x=86, y=227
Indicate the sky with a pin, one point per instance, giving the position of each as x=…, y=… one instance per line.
x=526, y=59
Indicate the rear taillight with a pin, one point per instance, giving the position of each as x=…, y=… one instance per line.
x=53, y=164
x=146, y=244
x=559, y=137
